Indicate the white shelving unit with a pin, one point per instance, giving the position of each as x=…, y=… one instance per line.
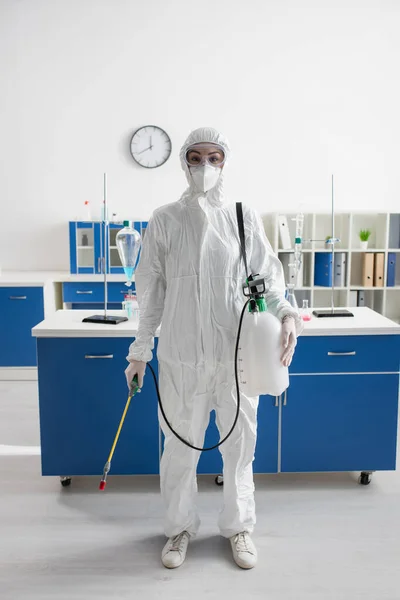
x=385, y=238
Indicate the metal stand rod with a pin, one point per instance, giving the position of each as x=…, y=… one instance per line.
x=105, y=221
x=333, y=255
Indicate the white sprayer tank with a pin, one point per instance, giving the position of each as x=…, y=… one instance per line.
x=260, y=350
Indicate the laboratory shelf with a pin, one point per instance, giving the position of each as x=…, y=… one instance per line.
x=385, y=239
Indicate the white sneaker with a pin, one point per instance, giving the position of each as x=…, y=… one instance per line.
x=174, y=552
x=244, y=551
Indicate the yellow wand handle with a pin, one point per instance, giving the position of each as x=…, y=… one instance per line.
x=120, y=427
x=134, y=389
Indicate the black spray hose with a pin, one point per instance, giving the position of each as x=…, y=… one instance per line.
x=237, y=393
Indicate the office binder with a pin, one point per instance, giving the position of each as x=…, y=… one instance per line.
x=394, y=231
x=284, y=233
x=323, y=269
x=367, y=262
x=353, y=298
x=361, y=298
x=340, y=269
x=379, y=269
x=391, y=269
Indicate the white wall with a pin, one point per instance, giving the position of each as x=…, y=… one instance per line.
x=301, y=88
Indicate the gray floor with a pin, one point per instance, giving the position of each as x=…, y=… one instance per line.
x=319, y=537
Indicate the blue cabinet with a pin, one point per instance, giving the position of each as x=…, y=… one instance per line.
x=89, y=242
x=21, y=308
x=88, y=295
x=82, y=394
x=340, y=423
x=340, y=412
x=347, y=354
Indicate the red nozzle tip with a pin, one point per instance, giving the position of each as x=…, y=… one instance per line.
x=102, y=485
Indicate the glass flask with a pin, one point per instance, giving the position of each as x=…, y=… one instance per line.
x=305, y=311
x=291, y=298
x=128, y=242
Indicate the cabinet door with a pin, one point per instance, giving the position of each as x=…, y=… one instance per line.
x=340, y=423
x=20, y=310
x=98, y=248
x=85, y=248
x=114, y=264
x=82, y=395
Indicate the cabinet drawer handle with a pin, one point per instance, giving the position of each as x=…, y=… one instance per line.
x=99, y=356
x=84, y=292
x=17, y=297
x=353, y=353
x=276, y=401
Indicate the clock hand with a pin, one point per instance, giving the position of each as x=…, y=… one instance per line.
x=151, y=145
x=141, y=152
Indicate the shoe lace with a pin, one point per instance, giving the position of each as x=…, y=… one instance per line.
x=178, y=542
x=241, y=543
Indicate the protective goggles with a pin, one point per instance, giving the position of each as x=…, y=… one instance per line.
x=205, y=154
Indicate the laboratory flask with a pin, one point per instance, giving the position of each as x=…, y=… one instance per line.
x=128, y=242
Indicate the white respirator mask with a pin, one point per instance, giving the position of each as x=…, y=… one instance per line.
x=205, y=177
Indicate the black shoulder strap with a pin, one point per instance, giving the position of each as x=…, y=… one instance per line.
x=239, y=215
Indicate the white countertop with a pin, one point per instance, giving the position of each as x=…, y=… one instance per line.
x=41, y=278
x=29, y=278
x=68, y=323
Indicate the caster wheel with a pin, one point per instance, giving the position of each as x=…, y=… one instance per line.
x=365, y=479
x=219, y=480
x=65, y=481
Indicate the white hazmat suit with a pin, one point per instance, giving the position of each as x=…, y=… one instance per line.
x=190, y=280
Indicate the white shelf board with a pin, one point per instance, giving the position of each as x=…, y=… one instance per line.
x=329, y=251
x=355, y=288
x=369, y=250
x=292, y=250
x=328, y=288
x=85, y=247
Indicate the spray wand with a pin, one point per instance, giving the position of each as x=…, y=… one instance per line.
x=133, y=391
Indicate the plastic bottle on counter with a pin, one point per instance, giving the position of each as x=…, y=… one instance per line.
x=130, y=305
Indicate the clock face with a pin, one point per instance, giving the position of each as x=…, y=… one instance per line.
x=150, y=146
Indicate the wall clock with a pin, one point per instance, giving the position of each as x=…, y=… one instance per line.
x=151, y=146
